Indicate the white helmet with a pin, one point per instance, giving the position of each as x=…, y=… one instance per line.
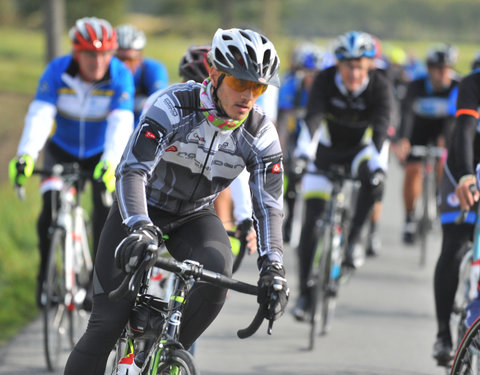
x=246, y=55
x=354, y=45
x=129, y=37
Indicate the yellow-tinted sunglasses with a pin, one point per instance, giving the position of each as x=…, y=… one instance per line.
x=241, y=85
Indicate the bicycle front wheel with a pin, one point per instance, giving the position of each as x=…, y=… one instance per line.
x=467, y=358
x=56, y=317
x=319, y=282
x=178, y=362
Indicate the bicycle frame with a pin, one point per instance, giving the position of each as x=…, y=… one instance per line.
x=70, y=217
x=430, y=156
x=161, y=340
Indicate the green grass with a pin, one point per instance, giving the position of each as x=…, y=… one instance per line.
x=19, y=258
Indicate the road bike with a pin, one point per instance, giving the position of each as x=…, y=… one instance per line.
x=69, y=265
x=152, y=333
x=326, y=272
x=467, y=357
x=428, y=210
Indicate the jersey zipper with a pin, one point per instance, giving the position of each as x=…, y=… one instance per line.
x=204, y=166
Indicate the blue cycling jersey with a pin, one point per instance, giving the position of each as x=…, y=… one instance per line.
x=291, y=95
x=149, y=77
x=82, y=108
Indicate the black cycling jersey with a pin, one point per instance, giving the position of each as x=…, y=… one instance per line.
x=425, y=114
x=349, y=115
x=463, y=155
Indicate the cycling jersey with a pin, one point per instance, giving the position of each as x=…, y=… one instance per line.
x=174, y=142
x=425, y=113
x=348, y=115
x=464, y=153
x=90, y=118
x=150, y=76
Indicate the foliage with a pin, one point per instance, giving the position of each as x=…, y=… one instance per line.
x=18, y=268
x=112, y=10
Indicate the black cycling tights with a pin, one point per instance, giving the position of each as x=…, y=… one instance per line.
x=455, y=238
x=199, y=237
x=314, y=209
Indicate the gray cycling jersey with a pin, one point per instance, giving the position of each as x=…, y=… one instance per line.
x=181, y=161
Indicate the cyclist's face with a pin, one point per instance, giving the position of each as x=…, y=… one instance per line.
x=354, y=72
x=93, y=64
x=132, y=58
x=235, y=103
x=440, y=76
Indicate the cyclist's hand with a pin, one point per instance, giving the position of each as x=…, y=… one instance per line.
x=273, y=290
x=105, y=172
x=130, y=251
x=401, y=148
x=474, y=279
x=300, y=165
x=245, y=228
x=20, y=168
x=464, y=192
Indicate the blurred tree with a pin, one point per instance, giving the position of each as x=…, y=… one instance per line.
x=54, y=11
x=7, y=12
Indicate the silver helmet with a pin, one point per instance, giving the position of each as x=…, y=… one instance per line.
x=246, y=55
x=129, y=37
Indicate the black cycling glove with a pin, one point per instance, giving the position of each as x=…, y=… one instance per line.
x=132, y=248
x=273, y=289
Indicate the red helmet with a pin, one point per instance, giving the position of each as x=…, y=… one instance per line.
x=93, y=34
x=194, y=64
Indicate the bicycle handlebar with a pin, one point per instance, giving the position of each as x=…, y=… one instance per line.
x=196, y=271
x=464, y=212
x=422, y=151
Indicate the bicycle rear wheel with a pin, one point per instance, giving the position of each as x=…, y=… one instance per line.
x=56, y=317
x=178, y=362
x=467, y=358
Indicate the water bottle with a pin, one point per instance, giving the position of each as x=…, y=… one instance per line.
x=131, y=364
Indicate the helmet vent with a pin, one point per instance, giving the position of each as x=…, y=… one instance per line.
x=245, y=35
x=220, y=58
x=237, y=55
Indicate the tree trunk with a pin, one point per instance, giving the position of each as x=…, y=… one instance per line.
x=54, y=27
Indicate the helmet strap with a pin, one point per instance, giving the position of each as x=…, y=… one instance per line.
x=221, y=112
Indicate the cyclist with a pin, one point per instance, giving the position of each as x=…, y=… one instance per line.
x=424, y=120
x=351, y=104
x=233, y=205
x=149, y=75
x=190, y=144
x=292, y=101
x=89, y=96
x=458, y=176
x=476, y=61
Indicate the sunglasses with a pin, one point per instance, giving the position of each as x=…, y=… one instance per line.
x=241, y=85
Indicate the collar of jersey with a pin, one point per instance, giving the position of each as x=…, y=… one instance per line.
x=341, y=86
x=211, y=114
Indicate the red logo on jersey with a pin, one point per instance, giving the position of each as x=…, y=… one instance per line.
x=150, y=135
x=276, y=168
x=171, y=148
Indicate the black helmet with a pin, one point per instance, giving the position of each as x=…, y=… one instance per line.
x=194, y=63
x=442, y=54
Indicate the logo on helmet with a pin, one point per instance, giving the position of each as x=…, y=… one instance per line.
x=263, y=80
x=97, y=43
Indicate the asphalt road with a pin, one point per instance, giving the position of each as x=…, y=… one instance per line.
x=384, y=322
